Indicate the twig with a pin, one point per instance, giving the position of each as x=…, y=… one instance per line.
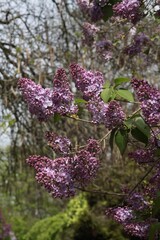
x=141, y=180
x=101, y=192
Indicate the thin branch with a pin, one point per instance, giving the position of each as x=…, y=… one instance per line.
x=101, y=192
x=142, y=179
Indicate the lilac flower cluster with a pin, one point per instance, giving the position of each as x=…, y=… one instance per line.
x=150, y=100
x=127, y=218
x=44, y=102
x=62, y=176
x=139, y=42
x=91, y=9
x=111, y=114
x=137, y=202
x=120, y=214
x=39, y=99
x=84, y=6
x=153, y=186
x=128, y=9
x=143, y=156
x=138, y=229
x=88, y=82
x=58, y=143
x=54, y=175
x=62, y=95
x=104, y=49
x=89, y=32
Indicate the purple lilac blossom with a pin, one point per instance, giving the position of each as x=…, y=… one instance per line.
x=143, y=156
x=96, y=13
x=128, y=9
x=88, y=82
x=103, y=49
x=62, y=176
x=140, y=40
x=44, y=102
x=54, y=175
x=91, y=9
x=149, y=98
x=84, y=6
x=85, y=166
x=120, y=214
x=89, y=32
x=62, y=95
x=138, y=229
x=58, y=143
x=137, y=202
x=153, y=186
x=93, y=147
x=111, y=114
x=126, y=217
x=39, y=100
x=97, y=108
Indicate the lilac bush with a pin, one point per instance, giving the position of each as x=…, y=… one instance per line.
x=105, y=104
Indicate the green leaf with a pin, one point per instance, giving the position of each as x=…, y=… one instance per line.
x=120, y=80
x=154, y=229
x=126, y=94
x=139, y=135
x=107, y=12
x=121, y=139
x=142, y=126
x=106, y=85
x=112, y=138
x=106, y=94
x=79, y=100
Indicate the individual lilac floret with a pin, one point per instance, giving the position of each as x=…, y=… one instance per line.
x=62, y=95
x=138, y=229
x=120, y=214
x=88, y=82
x=104, y=49
x=39, y=100
x=89, y=32
x=139, y=42
x=58, y=143
x=128, y=9
x=111, y=114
